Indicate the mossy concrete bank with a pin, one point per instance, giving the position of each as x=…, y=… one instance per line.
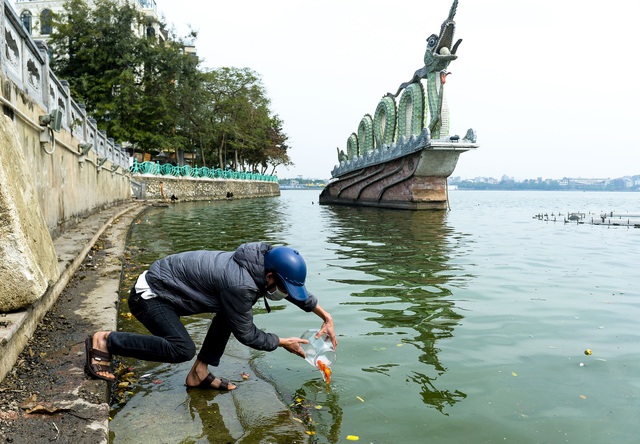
x=185, y=189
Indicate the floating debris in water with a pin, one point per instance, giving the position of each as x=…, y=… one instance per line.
x=610, y=218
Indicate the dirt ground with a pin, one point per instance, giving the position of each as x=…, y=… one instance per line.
x=48, y=379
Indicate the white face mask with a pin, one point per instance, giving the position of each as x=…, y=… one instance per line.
x=276, y=295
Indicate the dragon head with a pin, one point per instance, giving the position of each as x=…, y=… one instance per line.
x=440, y=51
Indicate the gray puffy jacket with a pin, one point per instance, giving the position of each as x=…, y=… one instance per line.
x=226, y=283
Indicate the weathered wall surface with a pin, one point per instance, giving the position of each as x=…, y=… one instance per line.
x=29, y=264
x=69, y=185
x=191, y=189
x=49, y=180
x=77, y=168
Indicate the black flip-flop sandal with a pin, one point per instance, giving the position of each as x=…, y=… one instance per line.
x=97, y=355
x=206, y=384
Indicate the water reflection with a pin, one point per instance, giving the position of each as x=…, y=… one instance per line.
x=317, y=407
x=220, y=225
x=409, y=255
x=207, y=411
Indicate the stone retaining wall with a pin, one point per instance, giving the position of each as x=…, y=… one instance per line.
x=192, y=189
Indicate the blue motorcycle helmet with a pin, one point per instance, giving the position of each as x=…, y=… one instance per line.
x=290, y=267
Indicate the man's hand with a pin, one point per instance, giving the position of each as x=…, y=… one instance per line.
x=292, y=345
x=327, y=325
x=327, y=328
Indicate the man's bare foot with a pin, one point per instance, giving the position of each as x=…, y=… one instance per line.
x=100, y=357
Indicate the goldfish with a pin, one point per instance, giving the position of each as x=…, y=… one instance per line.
x=326, y=371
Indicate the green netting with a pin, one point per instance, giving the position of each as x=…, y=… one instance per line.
x=166, y=169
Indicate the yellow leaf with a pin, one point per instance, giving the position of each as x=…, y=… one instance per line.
x=311, y=432
x=583, y=397
x=318, y=407
x=514, y=374
x=362, y=400
x=298, y=419
x=399, y=345
x=353, y=438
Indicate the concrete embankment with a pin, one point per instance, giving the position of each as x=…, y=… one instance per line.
x=46, y=396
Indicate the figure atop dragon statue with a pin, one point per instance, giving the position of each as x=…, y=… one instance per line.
x=439, y=52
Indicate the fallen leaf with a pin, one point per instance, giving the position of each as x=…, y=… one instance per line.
x=311, y=432
x=514, y=374
x=362, y=400
x=583, y=397
x=31, y=405
x=353, y=438
x=318, y=407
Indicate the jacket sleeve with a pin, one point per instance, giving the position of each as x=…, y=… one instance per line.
x=238, y=307
x=307, y=305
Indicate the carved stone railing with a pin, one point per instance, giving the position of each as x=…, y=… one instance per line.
x=24, y=62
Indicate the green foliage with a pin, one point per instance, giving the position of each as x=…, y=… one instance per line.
x=234, y=123
x=150, y=94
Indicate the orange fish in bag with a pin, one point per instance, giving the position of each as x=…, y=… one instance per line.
x=326, y=371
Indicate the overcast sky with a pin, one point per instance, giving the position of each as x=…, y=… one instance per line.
x=552, y=87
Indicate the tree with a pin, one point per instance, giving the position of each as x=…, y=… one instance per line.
x=131, y=85
x=96, y=51
x=151, y=95
x=235, y=122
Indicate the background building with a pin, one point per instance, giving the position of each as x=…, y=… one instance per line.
x=37, y=15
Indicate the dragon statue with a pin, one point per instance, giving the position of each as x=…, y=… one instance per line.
x=438, y=55
x=402, y=155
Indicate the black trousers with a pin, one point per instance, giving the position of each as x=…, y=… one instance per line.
x=169, y=340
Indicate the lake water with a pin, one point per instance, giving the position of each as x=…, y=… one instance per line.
x=462, y=326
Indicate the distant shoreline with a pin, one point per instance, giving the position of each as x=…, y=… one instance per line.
x=289, y=187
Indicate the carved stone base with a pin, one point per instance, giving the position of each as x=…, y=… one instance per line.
x=417, y=181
